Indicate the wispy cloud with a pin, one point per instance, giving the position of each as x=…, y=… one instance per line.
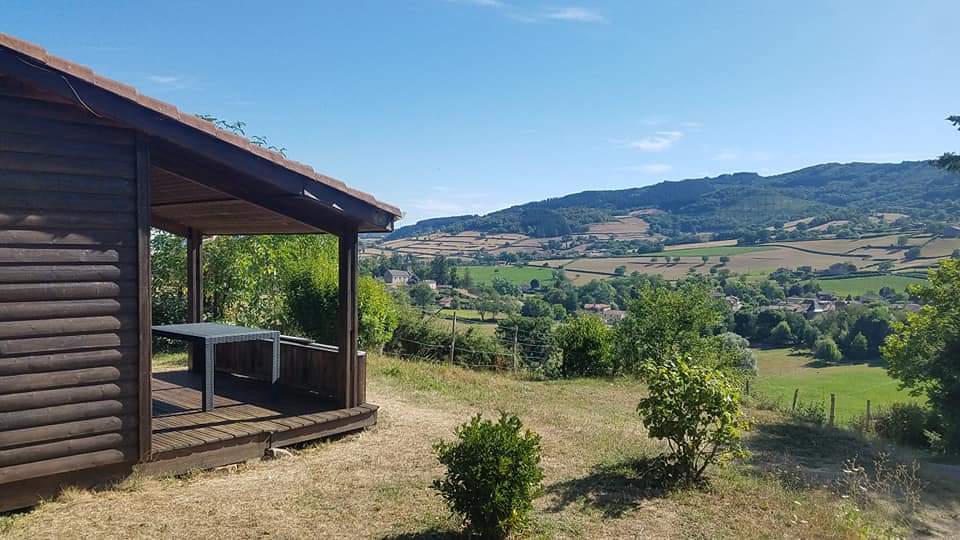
x=568, y=13
x=164, y=79
x=658, y=142
x=574, y=14
x=172, y=82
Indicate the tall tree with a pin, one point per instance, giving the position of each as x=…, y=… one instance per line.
x=923, y=350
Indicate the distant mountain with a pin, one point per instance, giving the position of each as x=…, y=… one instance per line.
x=731, y=202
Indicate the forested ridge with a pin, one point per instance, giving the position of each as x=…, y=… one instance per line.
x=719, y=204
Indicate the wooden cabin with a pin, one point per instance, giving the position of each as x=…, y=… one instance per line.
x=87, y=167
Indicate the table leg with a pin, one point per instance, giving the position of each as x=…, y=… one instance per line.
x=208, y=364
x=275, y=368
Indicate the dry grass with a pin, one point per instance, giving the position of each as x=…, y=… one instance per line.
x=376, y=484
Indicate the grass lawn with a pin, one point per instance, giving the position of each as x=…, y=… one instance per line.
x=712, y=251
x=519, y=275
x=782, y=371
x=859, y=285
x=377, y=483
x=467, y=318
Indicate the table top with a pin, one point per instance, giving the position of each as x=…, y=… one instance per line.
x=211, y=331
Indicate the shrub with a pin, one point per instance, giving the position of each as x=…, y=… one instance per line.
x=826, y=349
x=812, y=412
x=696, y=409
x=906, y=423
x=585, y=345
x=493, y=475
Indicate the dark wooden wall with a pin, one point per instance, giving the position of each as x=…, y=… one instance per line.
x=71, y=248
x=306, y=366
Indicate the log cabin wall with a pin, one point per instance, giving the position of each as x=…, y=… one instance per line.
x=72, y=254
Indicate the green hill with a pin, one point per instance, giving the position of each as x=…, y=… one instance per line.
x=731, y=202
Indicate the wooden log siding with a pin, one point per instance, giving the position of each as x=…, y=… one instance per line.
x=69, y=312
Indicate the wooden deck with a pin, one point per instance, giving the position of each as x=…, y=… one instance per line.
x=244, y=424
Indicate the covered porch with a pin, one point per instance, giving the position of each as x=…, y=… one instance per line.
x=321, y=389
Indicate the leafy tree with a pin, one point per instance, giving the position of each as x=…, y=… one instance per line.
x=422, y=295
x=493, y=475
x=489, y=303
x=858, y=347
x=885, y=266
x=534, y=283
x=781, y=334
x=912, y=253
x=705, y=259
x=922, y=351
x=826, y=349
x=724, y=259
x=536, y=307
x=696, y=408
x=620, y=270
x=902, y=241
x=504, y=286
x=662, y=321
x=586, y=345
x=739, y=347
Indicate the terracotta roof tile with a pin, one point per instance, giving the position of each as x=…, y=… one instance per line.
x=39, y=54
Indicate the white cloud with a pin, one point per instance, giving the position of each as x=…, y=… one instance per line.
x=508, y=10
x=164, y=79
x=658, y=142
x=574, y=14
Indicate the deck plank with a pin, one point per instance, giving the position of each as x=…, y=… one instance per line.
x=244, y=410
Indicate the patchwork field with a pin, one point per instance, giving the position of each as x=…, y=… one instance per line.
x=861, y=285
x=782, y=371
x=519, y=275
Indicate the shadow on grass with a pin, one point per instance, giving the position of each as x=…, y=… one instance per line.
x=616, y=488
x=818, y=450
x=433, y=533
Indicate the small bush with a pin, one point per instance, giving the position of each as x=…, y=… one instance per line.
x=906, y=423
x=493, y=475
x=696, y=409
x=812, y=412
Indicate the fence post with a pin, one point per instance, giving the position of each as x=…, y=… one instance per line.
x=516, y=335
x=453, y=336
x=868, y=415
x=748, y=387
x=833, y=406
x=796, y=392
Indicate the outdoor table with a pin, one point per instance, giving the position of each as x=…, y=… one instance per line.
x=206, y=335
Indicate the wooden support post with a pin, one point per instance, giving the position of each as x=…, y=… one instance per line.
x=796, y=393
x=195, y=290
x=347, y=319
x=833, y=407
x=868, y=416
x=453, y=337
x=144, y=299
x=748, y=387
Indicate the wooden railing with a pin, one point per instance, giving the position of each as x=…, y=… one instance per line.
x=304, y=365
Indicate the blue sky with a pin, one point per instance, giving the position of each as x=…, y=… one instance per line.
x=467, y=106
